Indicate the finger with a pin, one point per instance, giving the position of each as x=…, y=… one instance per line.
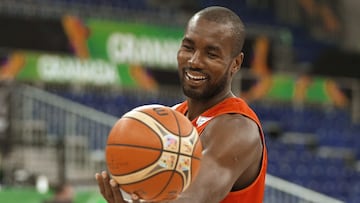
x=116, y=192
x=135, y=198
x=100, y=182
x=107, y=187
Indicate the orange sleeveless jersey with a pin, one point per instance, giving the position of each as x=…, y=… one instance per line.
x=254, y=193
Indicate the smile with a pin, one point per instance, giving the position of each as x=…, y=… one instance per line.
x=195, y=76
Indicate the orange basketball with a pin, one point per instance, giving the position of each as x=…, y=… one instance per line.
x=154, y=152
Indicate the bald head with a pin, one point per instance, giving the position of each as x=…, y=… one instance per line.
x=224, y=16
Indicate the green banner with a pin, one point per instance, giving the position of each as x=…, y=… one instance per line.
x=131, y=43
x=66, y=69
x=292, y=87
x=105, y=53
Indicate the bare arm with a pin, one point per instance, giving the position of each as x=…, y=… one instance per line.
x=232, y=152
x=232, y=145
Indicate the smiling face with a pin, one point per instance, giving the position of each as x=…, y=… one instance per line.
x=206, y=61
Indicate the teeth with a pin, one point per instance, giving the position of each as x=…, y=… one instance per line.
x=195, y=77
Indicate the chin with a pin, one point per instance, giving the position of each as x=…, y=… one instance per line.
x=189, y=92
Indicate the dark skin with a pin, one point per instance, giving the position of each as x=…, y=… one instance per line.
x=232, y=147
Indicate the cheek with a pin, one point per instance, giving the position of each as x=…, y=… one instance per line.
x=182, y=57
x=222, y=71
x=181, y=62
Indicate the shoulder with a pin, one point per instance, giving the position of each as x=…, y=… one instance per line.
x=235, y=127
x=232, y=134
x=234, y=141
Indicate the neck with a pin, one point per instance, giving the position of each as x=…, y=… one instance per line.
x=197, y=107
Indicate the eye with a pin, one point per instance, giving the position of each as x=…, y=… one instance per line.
x=212, y=55
x=187, y=47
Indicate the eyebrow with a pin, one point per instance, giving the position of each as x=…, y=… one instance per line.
x=213, y=48
x=209, y=47
x=188, y=40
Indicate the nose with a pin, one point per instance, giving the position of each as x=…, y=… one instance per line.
x=194, y=60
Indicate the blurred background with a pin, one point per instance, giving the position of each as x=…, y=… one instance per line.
x=70, y=68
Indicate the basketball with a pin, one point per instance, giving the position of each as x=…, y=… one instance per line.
x=153, y=151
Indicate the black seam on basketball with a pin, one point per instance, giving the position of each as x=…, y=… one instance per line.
x=160, y=135
x=157, y=195
x=159, y=121
x=177, y=158
x=136, y=146
x=149, y=127
x=139, y=169
x=148, y=177
x=155, y=149
x=143, y=147
x=194, y=146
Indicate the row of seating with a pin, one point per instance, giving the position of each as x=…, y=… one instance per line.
x=329, y=176
x=333, y=175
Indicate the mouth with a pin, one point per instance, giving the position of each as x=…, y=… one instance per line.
x=195, y=76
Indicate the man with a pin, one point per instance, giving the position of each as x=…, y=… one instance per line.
x=234, y=161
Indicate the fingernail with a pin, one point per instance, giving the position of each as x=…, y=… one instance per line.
x=134, y=197
x=112, y=183
x=104, y=175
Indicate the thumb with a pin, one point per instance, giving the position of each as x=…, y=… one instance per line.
x=135, y=198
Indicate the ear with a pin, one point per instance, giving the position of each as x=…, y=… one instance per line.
x=237, y=63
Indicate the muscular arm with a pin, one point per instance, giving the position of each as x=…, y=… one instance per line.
x=232, y=152
x=232, y=148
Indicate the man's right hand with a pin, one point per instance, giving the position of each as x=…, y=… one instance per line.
x=110, y=190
